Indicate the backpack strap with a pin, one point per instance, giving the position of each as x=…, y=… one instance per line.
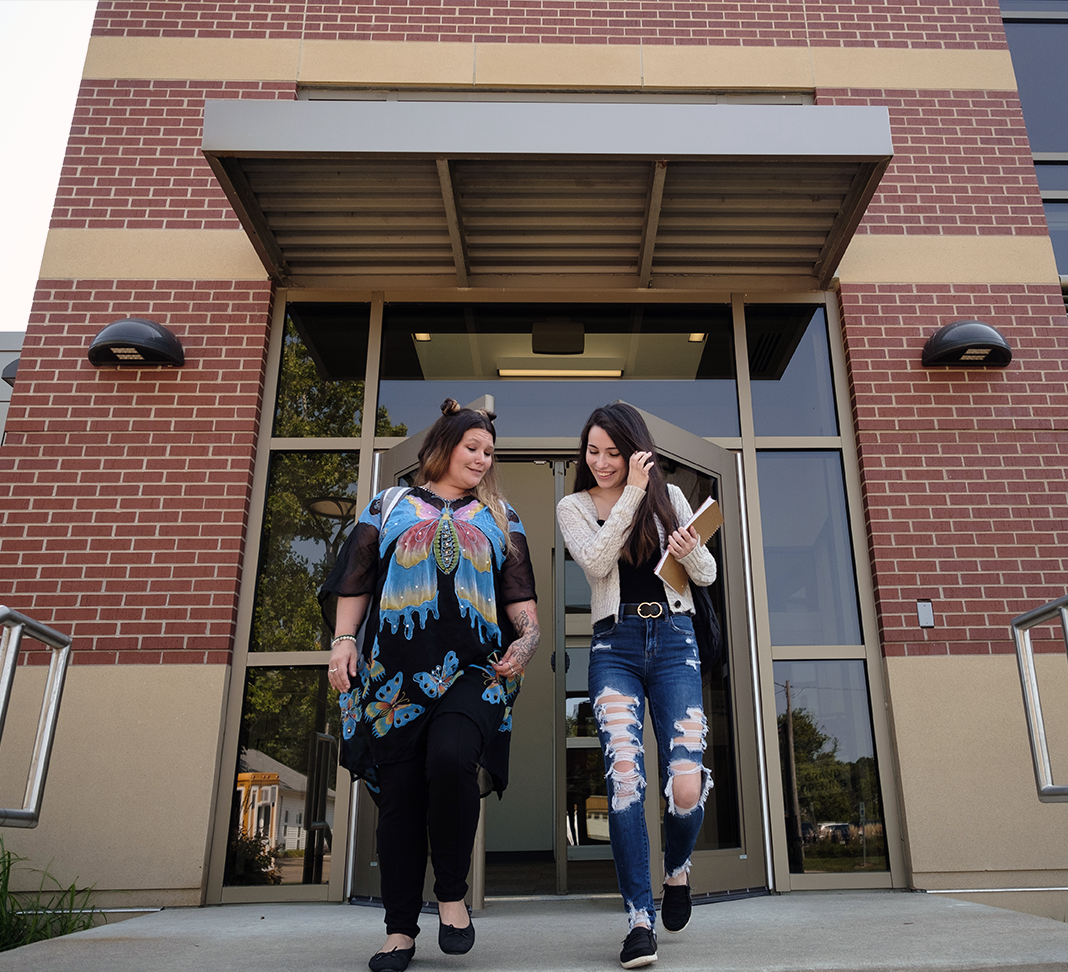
x=392, y=497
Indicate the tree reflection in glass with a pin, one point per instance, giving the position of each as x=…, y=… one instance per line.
x=282, y=812
x=834, y=815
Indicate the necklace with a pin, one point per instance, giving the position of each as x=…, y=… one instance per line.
x=447, y=502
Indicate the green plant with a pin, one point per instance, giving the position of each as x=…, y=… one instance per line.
x=47, y=911
x=253, y=861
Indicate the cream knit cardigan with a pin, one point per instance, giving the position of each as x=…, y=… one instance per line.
x=596, y=548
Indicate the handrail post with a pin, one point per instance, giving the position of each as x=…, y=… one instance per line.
x=15, y=625
x=1048, y=791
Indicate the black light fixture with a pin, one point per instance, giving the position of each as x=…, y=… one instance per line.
x=965, y=344
x=8, y=374
x=558, y=337
x=136, y=341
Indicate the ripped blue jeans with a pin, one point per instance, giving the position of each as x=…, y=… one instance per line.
x=630, y=660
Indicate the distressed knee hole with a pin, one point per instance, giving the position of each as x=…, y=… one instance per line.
x=687, y=786
x=617, y=718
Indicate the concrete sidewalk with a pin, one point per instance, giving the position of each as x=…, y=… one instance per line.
x=861, y=930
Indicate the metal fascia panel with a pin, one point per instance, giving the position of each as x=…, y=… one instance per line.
x=496, y=129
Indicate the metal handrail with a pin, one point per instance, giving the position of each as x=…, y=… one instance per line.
x=14, y=626
x=1048, y=791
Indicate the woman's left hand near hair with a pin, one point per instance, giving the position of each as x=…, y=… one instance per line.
x=682, y=542
x=524, y=618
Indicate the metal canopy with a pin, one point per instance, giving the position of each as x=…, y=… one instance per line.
x=504, y=194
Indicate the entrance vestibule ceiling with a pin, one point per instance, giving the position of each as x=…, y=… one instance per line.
x=468, y=194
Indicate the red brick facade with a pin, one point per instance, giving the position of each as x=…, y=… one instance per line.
x=962, y=164
x=934, y=25
x=125, y=494
x=134, y=162
x=125, y=500
x=963, y=470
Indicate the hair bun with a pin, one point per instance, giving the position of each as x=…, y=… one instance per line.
x=450, y=407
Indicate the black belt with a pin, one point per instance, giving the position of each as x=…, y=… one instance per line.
x=648, y=610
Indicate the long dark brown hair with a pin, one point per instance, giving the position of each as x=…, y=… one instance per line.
x=623, y=424
x=443, y=437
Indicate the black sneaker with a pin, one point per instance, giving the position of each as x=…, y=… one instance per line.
x=639, y=948
x=676, y=907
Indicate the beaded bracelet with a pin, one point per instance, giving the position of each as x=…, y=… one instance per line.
x=351, y=638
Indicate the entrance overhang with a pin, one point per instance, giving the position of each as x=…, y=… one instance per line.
x=533, y=195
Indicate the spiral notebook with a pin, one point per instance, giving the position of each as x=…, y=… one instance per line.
x=708, y=518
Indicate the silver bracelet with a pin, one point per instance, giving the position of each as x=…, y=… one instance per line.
x=351, y=638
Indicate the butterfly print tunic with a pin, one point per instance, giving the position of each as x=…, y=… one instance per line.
x=439, y=580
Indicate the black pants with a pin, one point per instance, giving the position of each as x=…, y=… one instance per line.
x=435, y=793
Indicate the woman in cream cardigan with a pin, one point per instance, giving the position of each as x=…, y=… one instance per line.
x=621, y=516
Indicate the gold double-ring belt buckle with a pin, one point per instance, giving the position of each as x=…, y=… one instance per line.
x=648, y=606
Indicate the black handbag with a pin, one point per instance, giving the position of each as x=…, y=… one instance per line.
x=707, y=631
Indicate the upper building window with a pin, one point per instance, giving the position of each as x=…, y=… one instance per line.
x=1037, y=31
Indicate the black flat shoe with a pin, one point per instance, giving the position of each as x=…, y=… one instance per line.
x=395, y=961
x=456, y=941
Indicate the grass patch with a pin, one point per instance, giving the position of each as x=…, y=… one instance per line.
x=47, y=911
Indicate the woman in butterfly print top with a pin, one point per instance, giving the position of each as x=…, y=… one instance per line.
x=449, y=583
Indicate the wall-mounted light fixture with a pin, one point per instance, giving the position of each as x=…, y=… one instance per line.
x=8, y=374
x=965, y=344
x=135, y=341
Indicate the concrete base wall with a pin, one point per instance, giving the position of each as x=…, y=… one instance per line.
x=972, y=815
x=130, y=789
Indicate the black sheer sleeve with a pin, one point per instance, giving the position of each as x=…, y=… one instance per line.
x=517, y=574
x=355, y=570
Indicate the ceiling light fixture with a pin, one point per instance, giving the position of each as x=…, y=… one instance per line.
x=560, y=372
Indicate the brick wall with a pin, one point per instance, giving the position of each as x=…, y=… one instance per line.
x=134, y=161
x=929, y=439
x=945, y=24
x=124, y=494
x=963, y=470
x=962, y=164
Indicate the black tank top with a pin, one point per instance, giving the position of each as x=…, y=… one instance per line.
x=637, y=582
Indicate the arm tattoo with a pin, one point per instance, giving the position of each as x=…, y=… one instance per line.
x=526, y=643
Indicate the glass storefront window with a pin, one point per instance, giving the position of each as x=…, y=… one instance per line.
x=311, y=504
x=834, y=808
x=790, y=370
x=324, y=359
x=282, y=812
x=808, y=554
x=549, y=366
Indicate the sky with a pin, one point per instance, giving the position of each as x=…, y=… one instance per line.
x=40, y=70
